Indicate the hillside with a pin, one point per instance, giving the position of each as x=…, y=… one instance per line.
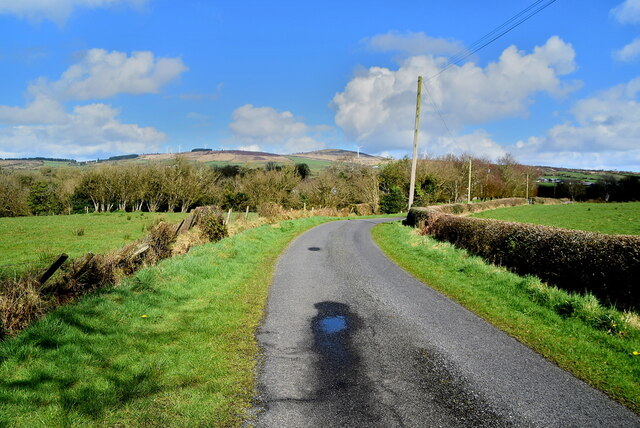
x=317, y=159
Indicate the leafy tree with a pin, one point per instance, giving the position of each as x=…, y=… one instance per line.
x=303, y=170
x=13, y=197
x=393, y=201
x=43, y=198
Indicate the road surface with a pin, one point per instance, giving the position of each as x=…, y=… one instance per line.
x=350, y=339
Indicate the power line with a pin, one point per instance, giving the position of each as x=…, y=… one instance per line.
x=458, y=56
x=435, y=106
x=504, y=28
x=493, y=35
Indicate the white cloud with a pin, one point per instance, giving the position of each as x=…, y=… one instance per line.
x=628, y=53
x=42, y=109
x=605, y=133
x=377, y=107
x=250, y=148
x=268, y=126
x=57, y=11
x=478, y=143
x=628, y=12
x=102, y=74
x=44, y=126
x=413, y=44
x=88, y=130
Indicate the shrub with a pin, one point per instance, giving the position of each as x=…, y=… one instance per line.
x=270, y=210
x=160, y=239
x=211, y=222
x=363, y=209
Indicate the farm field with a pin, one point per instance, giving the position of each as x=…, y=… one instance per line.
x=28, y=239
x=614, y=218
x=315, y=165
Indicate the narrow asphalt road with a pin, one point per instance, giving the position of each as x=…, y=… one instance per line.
x=352, y=340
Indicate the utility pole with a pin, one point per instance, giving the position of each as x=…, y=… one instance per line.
x=527, y=188
x=469, y=189
x=414, y=162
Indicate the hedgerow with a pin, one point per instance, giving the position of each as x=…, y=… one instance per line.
x=418, y=215
x=607, y=266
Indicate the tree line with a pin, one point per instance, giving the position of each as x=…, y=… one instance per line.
x=180, y=185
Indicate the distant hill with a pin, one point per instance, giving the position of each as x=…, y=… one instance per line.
x=336, y=155
x=317, y=159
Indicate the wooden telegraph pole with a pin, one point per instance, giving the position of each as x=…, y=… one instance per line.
x=415, y=144
x=469, y=188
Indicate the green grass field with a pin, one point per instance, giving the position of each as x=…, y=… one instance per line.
x=579, y=175
x=615, y=218
x=174, y=345
x=597, y=344
x=315, y=165
x=29, y=239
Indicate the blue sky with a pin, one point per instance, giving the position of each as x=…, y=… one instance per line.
x=90, y=79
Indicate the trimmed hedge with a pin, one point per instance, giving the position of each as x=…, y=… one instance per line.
x=607, y=266
x=418, y=215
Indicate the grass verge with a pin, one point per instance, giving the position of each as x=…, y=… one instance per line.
x=599, y=345
x=172, y=345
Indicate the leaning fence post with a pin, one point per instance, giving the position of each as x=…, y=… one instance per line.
x=84, y=264
x=228, y=217
x=53, y=268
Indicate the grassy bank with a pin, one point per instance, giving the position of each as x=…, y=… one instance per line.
x=599, y=345
x=172, y=346
x=616, y=218
x=24, y=239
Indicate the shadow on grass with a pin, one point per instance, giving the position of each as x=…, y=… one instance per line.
x=80, y=361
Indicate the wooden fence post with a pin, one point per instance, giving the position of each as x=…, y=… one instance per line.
x=228, y=217
x=83, y=265
x=53, y=268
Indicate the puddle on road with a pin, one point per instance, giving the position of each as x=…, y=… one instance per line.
x=332, y=328
x=333, y=324
x=340, y=376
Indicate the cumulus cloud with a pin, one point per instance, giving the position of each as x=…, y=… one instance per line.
x=628, y=53
x=628, y=12
x=413, y=44
x=377, y=107
x=102, y=74
x=268, y=126
x=42, y=109
x=45, y=126
x=604, y=134
x=250, y=148
x=478, y=143
x=87, y=130
x=57, y=11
